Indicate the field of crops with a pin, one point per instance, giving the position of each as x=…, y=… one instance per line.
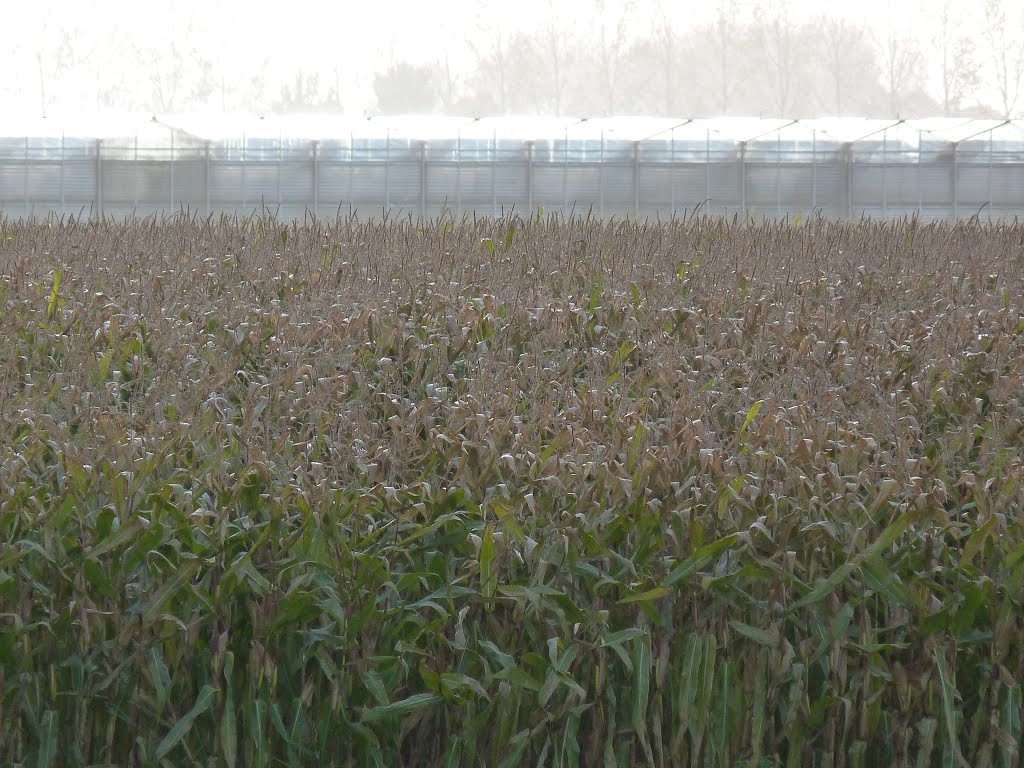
x=511, y=493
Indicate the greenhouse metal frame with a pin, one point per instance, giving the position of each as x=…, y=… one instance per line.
x=294, y=166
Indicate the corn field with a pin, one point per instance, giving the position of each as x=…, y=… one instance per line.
x=511, y=492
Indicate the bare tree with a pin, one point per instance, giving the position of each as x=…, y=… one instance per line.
x=178, y=77
x=612, y=42
x=448, y=84
x=53, y=53
x=1004, y=34
x=954, y=58
x=337, y=87
x=725, y=31
x=505, y=82
x=777, y=36
x=174, y=71
x=665, y=41
x=841, y=44
x=490, y=44
x=554, y=37
x=406, y=87
x=302, y=92
x=901, y=69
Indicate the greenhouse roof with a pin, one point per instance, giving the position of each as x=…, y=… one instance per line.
x=178, y=129
x=624, y=128
x=737, y=129
x=523, y=127
x=1005, y=132
x=92, y=126
x=218, y=127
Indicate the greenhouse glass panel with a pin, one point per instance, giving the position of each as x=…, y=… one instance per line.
x=936, y=168
x=1003, y=143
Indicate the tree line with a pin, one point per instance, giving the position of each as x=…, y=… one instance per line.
x=596, y=58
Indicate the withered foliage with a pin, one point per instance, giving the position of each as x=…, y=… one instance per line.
x=511, y=492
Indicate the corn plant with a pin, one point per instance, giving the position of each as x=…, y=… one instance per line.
x=528, y=491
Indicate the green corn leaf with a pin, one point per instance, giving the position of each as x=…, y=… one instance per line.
x=488, y=576
x=518, y=678
x=515, y=749
x=949, y=711
x=699, y=559
x=570, y=746
x=452, y=756
x=751, y=415
x=703, y=694
x=375, y=685
x=759, y=706
x=506, y=243
x=52, y=305
x=173, y=587
x=769, y=638
x=127, y=532
x=228, y=725
x=723, y=711
x=398, y=708
x=184, y=724
x=1010, y=724
x=621, y=637
x=838, y=576
x=48, y=733
x=641, y=693
x=926, y=729
x=454, y=680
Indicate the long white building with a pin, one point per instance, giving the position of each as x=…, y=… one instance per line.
x=423, y=165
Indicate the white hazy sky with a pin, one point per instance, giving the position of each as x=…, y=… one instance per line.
x=349, y=39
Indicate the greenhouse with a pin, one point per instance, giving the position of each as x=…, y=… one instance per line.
x=297, y=165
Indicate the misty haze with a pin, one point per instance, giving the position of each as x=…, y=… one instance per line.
x=512, y=383
x=589, y=58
